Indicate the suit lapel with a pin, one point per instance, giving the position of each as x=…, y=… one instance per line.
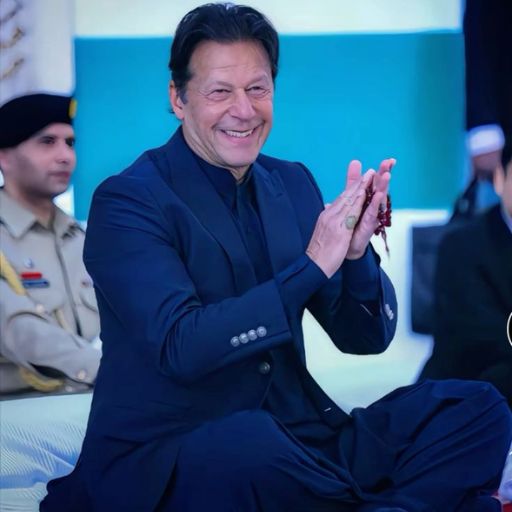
x=284, y=241
x=180, y=169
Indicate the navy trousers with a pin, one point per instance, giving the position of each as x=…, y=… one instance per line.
x=433, y=446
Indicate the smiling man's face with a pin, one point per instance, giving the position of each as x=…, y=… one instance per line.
x=227, y=108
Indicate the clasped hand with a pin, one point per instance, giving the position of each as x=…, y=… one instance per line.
x=344, y=229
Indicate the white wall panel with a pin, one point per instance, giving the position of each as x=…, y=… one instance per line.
x=116, y=18
x=37, y=47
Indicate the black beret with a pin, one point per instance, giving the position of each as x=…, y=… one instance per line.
x=22, y=117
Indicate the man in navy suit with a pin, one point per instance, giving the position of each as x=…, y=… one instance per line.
x=204, y=255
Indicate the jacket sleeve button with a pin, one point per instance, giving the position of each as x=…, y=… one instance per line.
x=261, y=331
x=264, y=368
x=235, y=341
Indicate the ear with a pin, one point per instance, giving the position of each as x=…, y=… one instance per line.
x=4, y=155
x=499, y=180
x=176, y=102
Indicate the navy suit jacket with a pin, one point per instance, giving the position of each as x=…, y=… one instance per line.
x=174, y=285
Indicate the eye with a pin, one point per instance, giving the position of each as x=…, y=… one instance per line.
x=257, y=91
x=47, y=140
x=70, y=142
x=219, y=94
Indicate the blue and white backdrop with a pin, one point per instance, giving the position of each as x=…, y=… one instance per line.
x=367, y=79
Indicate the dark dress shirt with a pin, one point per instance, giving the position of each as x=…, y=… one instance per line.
x=299, y=416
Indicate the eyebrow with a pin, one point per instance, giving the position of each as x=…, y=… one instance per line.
x=223, y=83
x=51, y=135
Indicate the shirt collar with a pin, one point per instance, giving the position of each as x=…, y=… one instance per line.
x=222, y=180
x=19, y=220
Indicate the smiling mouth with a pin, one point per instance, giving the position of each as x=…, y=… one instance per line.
x=239, y=134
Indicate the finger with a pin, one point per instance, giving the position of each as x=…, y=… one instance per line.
x=381, y=182
x=386, y=165
x=353, y=172
x=372, y=211
x=355, y=195
x=347, y=195
x=384, y=168
x=349, y=218
x=367, y=183
x=349, y=214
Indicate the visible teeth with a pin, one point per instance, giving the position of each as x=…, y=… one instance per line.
x=240, y=135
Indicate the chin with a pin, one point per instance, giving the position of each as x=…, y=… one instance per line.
x=58, y=192
x=243, y=161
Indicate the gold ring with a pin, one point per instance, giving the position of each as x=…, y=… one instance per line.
x=350, y=221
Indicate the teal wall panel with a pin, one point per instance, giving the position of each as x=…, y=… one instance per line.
x=338, y=97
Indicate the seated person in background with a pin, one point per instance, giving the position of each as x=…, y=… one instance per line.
x=48, y=313
x=474, y=294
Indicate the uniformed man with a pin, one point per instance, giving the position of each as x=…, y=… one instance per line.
x=49, y=320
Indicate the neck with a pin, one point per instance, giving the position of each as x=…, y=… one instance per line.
x=42, y=207
x=239, y=174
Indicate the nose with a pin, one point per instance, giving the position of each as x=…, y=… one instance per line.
x=242, y=106
x=65, y=153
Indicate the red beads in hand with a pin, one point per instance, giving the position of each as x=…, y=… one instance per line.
x=383, y=216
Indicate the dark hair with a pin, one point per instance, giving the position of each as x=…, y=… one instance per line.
x=222, y=23
x=506, y=153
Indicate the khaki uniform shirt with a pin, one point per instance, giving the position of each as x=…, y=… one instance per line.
x=52, y=330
